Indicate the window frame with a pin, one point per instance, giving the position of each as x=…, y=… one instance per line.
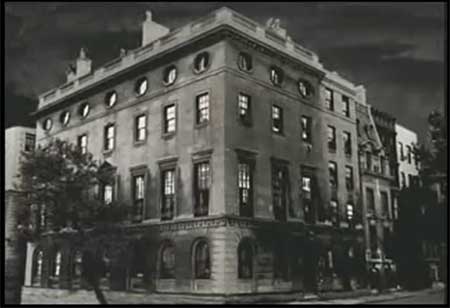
x=139, y=171
x=245, y=243
x=83, y=149
x=345, y=105
x=329, y=101
x=198, y=112
x=347, y=140
x=106, y=137
x=137, y=86
x=202, y=242
x=81, y=109
x=165, y=197
x=280, y=189
x=167, y=73
x=47, y=124
x=138, y=130
x=280, y=120
x=333, y=175
x=199, y=191
x=306, y=128
x=29, y=138
x=247, y=56
x=163, y=271
x=108, y=97
x=206, y=67
x=349, y=180
x=276, y=71
x=331, y=139
x=167, y=121
x=64, y=118
x=247, y=118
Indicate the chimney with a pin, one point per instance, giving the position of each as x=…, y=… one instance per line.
x=81, y=68
x=361, y=94
x=152, y=31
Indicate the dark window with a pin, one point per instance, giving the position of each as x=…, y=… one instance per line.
x=245, y=260
x=168, y=194
x=306, y=129
x=334, y=212
x=382, y=165
x=370, y=201
x=346, y=106
x=349, y=178
x=64, y=118
x=403, y=178
x=109, y=136
x=347, y=138
x=244, y=106
x=329, y=100
x=202, y=108
x=276, y=75
x=332, y=170
x=245, y=189
x=111, y=99
x=368, y=161
x=331, y=138
x=387, y=236
x=137, y=266
x=201, y=188
x=47, y=124
x=394, y=206
x=201, y=62
x=84, y=109
x=408, y=153
x=30, y=142
x=170, y=119
x=38, y=258
x=245, y=62
x=277, y=119
x=140, y=127
x=167, y=259
x=305, y=89
x=138, y=197
x=202, y=265
x=105, y=279
x=77, y=258
x=373, y=240
x=400, y=150
x=82, y=143
x=141, y=86
x=280, y=191
x=170, y=75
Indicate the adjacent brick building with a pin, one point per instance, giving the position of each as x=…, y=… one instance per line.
x=237, y=151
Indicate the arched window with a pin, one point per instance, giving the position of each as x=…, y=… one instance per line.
x=245, y=62
x=202, y=264
x=56, y=270
x=167, y=260
x=245, y=259
x=37, y=267
x=201, y=62
x=170, y=75
x=77, y=259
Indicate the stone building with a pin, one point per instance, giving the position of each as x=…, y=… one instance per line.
x=408, y=163
x=237, y=151
x=377, y=184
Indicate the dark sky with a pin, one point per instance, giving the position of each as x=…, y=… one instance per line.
x=395, y=49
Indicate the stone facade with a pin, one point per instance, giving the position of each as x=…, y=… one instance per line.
x=408, y=168
x=289, y=252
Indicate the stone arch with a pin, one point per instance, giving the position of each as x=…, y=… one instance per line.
x=201, y=259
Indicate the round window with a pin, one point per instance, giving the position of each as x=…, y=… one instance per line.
x=305, y=89
x=276, y=76
x=47, y=124
x=64, y=118
x=201, y=62
x=111, y=99
x=84, y=110
x=141, y=86
x=170, y=75
x=245, y=62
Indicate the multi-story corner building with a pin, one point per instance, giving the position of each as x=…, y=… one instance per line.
x=237, y=151
x=17, y=140
x=377, y=182
x=408, y=163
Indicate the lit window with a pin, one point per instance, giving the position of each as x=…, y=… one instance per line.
x=169, y=119
x=277, y=119
x=329, y=101
x=334, y=211
x=167, y=257
x=82, y=143
x=201, y=62
x=203, y=108
x=138, y=197
x=346, y=106
x=141, y=86
x=276, y=76
x=331, y=138
x=141, y=127
x=170, y=75
x=349, y=212
x=107, y=194
x=201, y=189
x=37, y=267
x=84, y=109
x=111, y=99
x=202, y=264
x=47, y=124
x=306, y=129
x=332, y=170
x=57, y=264
x=349, y=177
x=245, y=189
x=76, y=268
x=305, y=89
x=30, y=140
x=347, y=138
x=109, y=137
x=168, y=199
x=244, y=108
x=64, y=118
x=245, y=62
x=245, y=260
x=306, y=195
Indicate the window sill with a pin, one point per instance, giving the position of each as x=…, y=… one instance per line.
x=139, y=143
x=281, y=134
x=201, y=125
x=108, y=152
x=168, y=135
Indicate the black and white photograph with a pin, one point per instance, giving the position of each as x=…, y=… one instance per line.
x=222, y=153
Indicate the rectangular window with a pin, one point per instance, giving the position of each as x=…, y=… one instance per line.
x=346, y=106
x=82, y=143
x=140, y=127
x=109, y=136
x=245, y=189
x=280, y=191
x=373, y=241
x=138, y=197
x=202, y=108
x=349, y=212
x=334, y=212
x=349, y=178
x=107, y=193
x=384, y=203
x=370, y=197
x=408, y=153
x=403, y=178
x=394, y=206
x=244, y=107
x=201, y=189
x=331, y=138
x=170, y=119
x=30, y=141
x=306, y=129
x=347, y=138
x=306, y=191
x=400, y=150
x=368, y=161
x=332, y=170
x=277, y=119
x=329, y=100
x=168, y=194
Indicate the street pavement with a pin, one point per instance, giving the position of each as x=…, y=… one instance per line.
x=429, y=298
